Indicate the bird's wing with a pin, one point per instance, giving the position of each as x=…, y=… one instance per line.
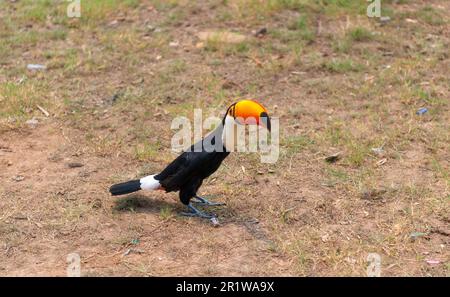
x=183, y=168
x=193, y=163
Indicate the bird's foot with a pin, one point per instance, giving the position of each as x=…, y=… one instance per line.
x=202, y=201
x=194, y=212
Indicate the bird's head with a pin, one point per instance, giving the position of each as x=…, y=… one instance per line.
x=249, y=112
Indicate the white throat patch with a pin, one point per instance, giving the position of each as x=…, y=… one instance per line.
x=233, y=134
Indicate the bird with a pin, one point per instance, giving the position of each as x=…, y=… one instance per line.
x=186, y=173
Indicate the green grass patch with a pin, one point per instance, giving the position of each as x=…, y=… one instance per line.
x=440, y=170
x=343, y=66
x=147, y=150
x=302, y=29
x=335, y=176
x=166, y=213
x=19, y=100
x=94, y=11
x=296, y=143
x=342, y=45
x=360, y=34
x=431, y=16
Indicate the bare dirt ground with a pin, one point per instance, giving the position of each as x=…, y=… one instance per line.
x=116, y=78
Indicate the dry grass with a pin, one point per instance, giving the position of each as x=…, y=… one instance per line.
x=339, y=82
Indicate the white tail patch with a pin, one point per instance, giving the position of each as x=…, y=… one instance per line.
x=149, y=183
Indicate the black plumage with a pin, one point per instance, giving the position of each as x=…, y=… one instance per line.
x=126, y=187
x=187, y=172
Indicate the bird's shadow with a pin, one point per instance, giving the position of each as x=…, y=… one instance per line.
x=138, y=203
x=141, y=203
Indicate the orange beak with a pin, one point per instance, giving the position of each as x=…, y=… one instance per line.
x=250, y=112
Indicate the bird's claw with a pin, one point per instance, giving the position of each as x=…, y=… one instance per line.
x=203, y=201
x=208, y=203
x=193, y=212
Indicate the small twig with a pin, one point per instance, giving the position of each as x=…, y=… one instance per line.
x=43, y=110
x=256, y=61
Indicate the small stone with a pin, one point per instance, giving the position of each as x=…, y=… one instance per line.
x=377, y=150
x=261, y=32
x=333, y=158
x=18, y=178
x=422, y=111
x=385, y=19
x=215, y=222
x=32, y=123
x=75, y=165
x=433, y=262
x=36, y=67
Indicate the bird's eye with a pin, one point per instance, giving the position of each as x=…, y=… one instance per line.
x=231, y=111
x=265, y=119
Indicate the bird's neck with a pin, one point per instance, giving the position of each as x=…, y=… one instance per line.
x=228, y=133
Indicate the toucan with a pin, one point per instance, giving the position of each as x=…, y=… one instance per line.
x=187, y=172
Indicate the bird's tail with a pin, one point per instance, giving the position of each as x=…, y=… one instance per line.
x=145, y=183
x=126, y=187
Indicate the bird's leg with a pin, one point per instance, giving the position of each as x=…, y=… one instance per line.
x=194, y=212
x=203, y=201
